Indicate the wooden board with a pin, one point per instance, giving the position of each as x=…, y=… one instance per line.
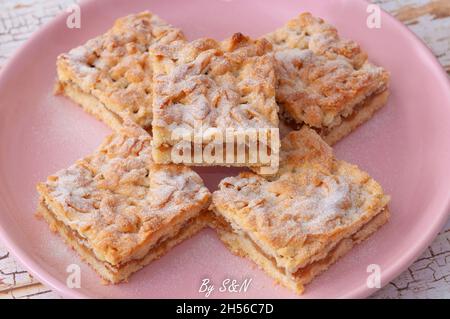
x=428, y=277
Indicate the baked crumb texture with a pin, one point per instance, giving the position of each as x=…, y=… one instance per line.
x=296, y=224
x=213, y=86
x=110, y=76
x=324, y=81
x=118, y=209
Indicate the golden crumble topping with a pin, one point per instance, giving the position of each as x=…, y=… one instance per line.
x=223, y=85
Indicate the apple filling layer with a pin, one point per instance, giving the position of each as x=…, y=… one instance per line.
x=120, y=272
x=241, y=244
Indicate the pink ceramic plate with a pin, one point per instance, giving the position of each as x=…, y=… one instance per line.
x=406, y=147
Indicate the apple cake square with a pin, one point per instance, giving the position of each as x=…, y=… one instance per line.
x=324, y=81
x=214, y=103
x=110, y=76
x=294, y=225
x=118, y=209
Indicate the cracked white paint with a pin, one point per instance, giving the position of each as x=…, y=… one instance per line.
x=428, y=277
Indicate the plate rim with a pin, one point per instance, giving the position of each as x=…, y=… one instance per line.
x=362, y=291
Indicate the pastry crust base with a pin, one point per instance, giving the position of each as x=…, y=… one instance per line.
x=361, y=115
x=120, y=273
x=91, y=104
x=244, y=247
x=163, y=153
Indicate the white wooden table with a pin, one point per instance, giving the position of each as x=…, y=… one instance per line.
x=428, y=277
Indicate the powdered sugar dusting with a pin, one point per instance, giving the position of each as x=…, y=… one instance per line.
x=219, y=87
